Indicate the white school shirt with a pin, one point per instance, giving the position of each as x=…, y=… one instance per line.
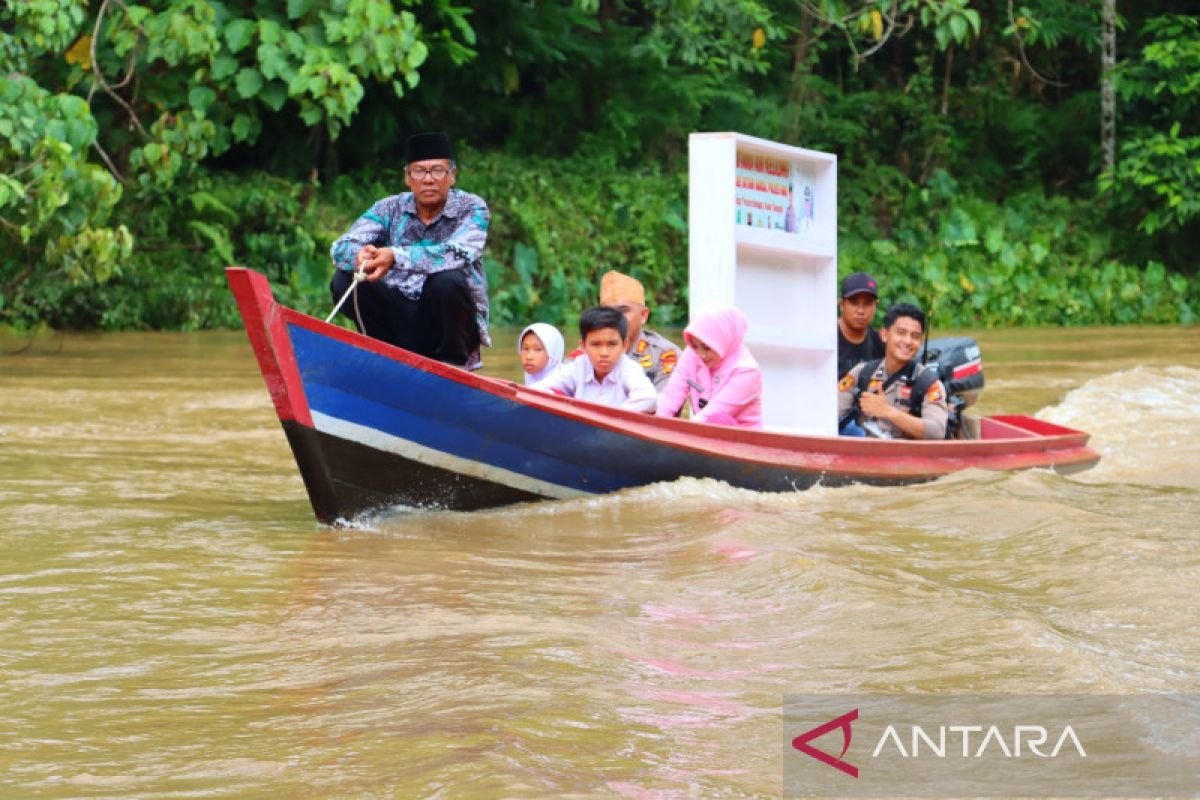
x=625, y=387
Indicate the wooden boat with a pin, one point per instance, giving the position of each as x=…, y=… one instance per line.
x=373, y=426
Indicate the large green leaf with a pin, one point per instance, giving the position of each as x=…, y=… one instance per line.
x=200, y=98
x=274, y=94
x=216, y=237
x=223, y=66
x=249, y=82
x=238, y=34
x=958, y=229
x=298, y=8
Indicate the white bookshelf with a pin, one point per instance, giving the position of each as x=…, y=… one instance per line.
x=762, y=235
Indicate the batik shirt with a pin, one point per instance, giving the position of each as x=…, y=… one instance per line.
x=454, y=240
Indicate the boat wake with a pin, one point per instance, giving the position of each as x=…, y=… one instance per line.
x=1145, y=422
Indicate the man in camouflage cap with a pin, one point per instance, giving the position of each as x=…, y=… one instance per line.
x=656, y=354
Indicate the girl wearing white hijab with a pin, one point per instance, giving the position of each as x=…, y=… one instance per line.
x=541, y=350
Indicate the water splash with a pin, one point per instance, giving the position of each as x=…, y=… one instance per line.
x=1145, y=422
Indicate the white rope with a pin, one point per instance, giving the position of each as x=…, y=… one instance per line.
x=359, y=275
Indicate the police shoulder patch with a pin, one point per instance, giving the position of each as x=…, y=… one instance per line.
x=666, y=361
x=934, y=394
x=846, y=382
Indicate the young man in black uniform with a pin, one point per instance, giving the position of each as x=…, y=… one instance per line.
x=857, y=340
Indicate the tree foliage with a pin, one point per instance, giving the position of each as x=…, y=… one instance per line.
x=1157, y=179
x=143, y=145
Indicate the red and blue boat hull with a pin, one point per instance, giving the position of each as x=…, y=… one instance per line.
x=374, y=426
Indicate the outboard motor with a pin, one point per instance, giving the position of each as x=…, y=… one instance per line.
x=960, y=368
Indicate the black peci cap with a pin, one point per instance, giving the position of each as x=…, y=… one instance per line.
x=427, y=146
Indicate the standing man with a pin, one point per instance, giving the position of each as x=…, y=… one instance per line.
x=656, y=354
x=857, y=340
x=894, y=396
x=422, y=255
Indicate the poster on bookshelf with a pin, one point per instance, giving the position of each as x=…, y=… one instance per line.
x=773, y=193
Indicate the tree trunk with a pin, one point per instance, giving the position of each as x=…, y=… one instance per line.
x=594, y=89
x=946, y=79
x=798, y=93
x=1108, y=101
x=800, y=48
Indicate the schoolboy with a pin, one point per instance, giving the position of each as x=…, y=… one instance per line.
x=605, y=375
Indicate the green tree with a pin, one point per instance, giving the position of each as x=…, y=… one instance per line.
x=55, y=205
x=153, y=92
x=147, y=143
x=1157, y=176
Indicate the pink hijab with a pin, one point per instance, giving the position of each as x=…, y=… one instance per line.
x=732, y=393
x=722, y=328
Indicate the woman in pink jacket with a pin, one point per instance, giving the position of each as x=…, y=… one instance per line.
x=717, y=373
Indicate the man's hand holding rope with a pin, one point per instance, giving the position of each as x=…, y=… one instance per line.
x=374, y=262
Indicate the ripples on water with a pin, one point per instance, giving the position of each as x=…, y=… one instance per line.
x=173, y=623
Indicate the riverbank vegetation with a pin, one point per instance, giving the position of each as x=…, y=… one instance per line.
x=1031, y=162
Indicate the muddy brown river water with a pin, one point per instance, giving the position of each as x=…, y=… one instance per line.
x=174, y=623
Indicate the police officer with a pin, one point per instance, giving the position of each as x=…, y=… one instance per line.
x=656, y=354
x=883, y=401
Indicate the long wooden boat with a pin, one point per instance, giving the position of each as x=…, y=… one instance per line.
x=373, y=426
